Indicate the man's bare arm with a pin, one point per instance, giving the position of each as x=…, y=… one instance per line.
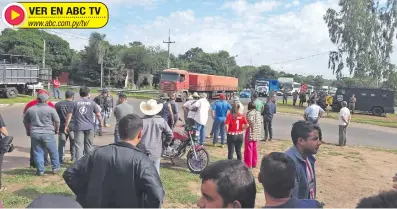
x=68, y=119
x=99, y=117
x=4, y=131
x=57, y=124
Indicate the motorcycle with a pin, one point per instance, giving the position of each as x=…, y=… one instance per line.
x=197, y=157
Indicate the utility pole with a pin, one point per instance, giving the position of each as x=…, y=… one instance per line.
x=169, y=42
x=49, y=78
x=43, y=53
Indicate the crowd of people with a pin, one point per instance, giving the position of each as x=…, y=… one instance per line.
x=126, y=173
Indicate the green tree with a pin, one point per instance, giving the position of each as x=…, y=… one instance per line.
x=363, y=32
x=29, y=42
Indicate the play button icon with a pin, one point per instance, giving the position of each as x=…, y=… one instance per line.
x=14, y=14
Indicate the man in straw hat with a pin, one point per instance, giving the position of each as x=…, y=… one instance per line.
x=190, y=109
x=154, y=126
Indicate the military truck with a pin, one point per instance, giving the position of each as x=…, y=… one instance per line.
x=373, y=100
x=21, y=79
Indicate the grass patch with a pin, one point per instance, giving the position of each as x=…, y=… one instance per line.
x=389, y=121
x=22, y=99
x=336, y=168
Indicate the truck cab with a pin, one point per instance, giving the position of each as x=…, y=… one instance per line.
x=175, y=81
x=262, y=87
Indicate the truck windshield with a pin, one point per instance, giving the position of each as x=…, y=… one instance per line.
x=288, y=86
x=169, y=77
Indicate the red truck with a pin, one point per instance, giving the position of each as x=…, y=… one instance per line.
x=184, y=83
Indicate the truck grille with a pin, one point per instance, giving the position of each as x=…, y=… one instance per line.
x=167, y=86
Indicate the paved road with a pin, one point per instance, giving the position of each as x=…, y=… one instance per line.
x=358, y=134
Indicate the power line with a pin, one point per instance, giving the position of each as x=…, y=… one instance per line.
x=300, y=58
x=70, y=35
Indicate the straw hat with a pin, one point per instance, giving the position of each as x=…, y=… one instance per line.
x=150, y=107
x=195, y=95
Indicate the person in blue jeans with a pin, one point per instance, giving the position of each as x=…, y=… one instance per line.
x=42, y=124
x=219, y=112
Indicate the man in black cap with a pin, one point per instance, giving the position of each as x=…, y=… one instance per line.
x=105, y=101
x=63, y=108
x=122, y=109
x=118, y=175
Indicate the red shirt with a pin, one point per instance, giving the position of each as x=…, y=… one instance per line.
x=235, y=124
x=56, y=83
x=33, y=103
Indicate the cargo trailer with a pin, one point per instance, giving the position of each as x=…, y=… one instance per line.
x=183, y=83
x=20, y=79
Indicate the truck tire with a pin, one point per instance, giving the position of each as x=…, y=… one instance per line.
x=11, y=93
x=378, y=111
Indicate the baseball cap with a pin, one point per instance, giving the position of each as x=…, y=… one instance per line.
x=69, y=93
x=42, y=97
x=222, y=96
x=42, y=91
x=122, y=95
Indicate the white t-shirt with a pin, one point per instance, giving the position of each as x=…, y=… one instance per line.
x=188, y=105
x=313, y=111
x=345, y=112
x=203, y=106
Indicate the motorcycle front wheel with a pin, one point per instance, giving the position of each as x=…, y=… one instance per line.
x=196, y=165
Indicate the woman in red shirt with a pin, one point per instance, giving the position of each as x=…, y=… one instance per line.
x=235, y=125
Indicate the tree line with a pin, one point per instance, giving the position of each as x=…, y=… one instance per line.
x=84, y=65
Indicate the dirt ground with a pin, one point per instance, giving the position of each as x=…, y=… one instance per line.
x=344, y=175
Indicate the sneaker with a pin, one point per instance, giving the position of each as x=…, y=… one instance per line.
x=222, y=145
x=55, y=171
x=39, y=173
x=3, y=189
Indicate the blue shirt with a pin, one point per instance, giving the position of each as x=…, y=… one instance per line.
x=269, y=110
x=301, y=190
x=221, y=108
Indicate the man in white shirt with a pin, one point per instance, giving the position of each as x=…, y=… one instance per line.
x=313, y=113
x=344, y=120
x=189, y=110
x=201, y=116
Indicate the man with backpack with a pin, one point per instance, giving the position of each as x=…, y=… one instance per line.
x=105, y=101
x=190, y=109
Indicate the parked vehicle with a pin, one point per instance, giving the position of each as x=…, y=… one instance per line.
x=332, y=90
x=279, y=93
x=21, y=79
x=197, y=157
x=373, y=100
x=262, y=87
x=245, y=94
x=291, y=87
x=184, y=83
x=273, y=85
